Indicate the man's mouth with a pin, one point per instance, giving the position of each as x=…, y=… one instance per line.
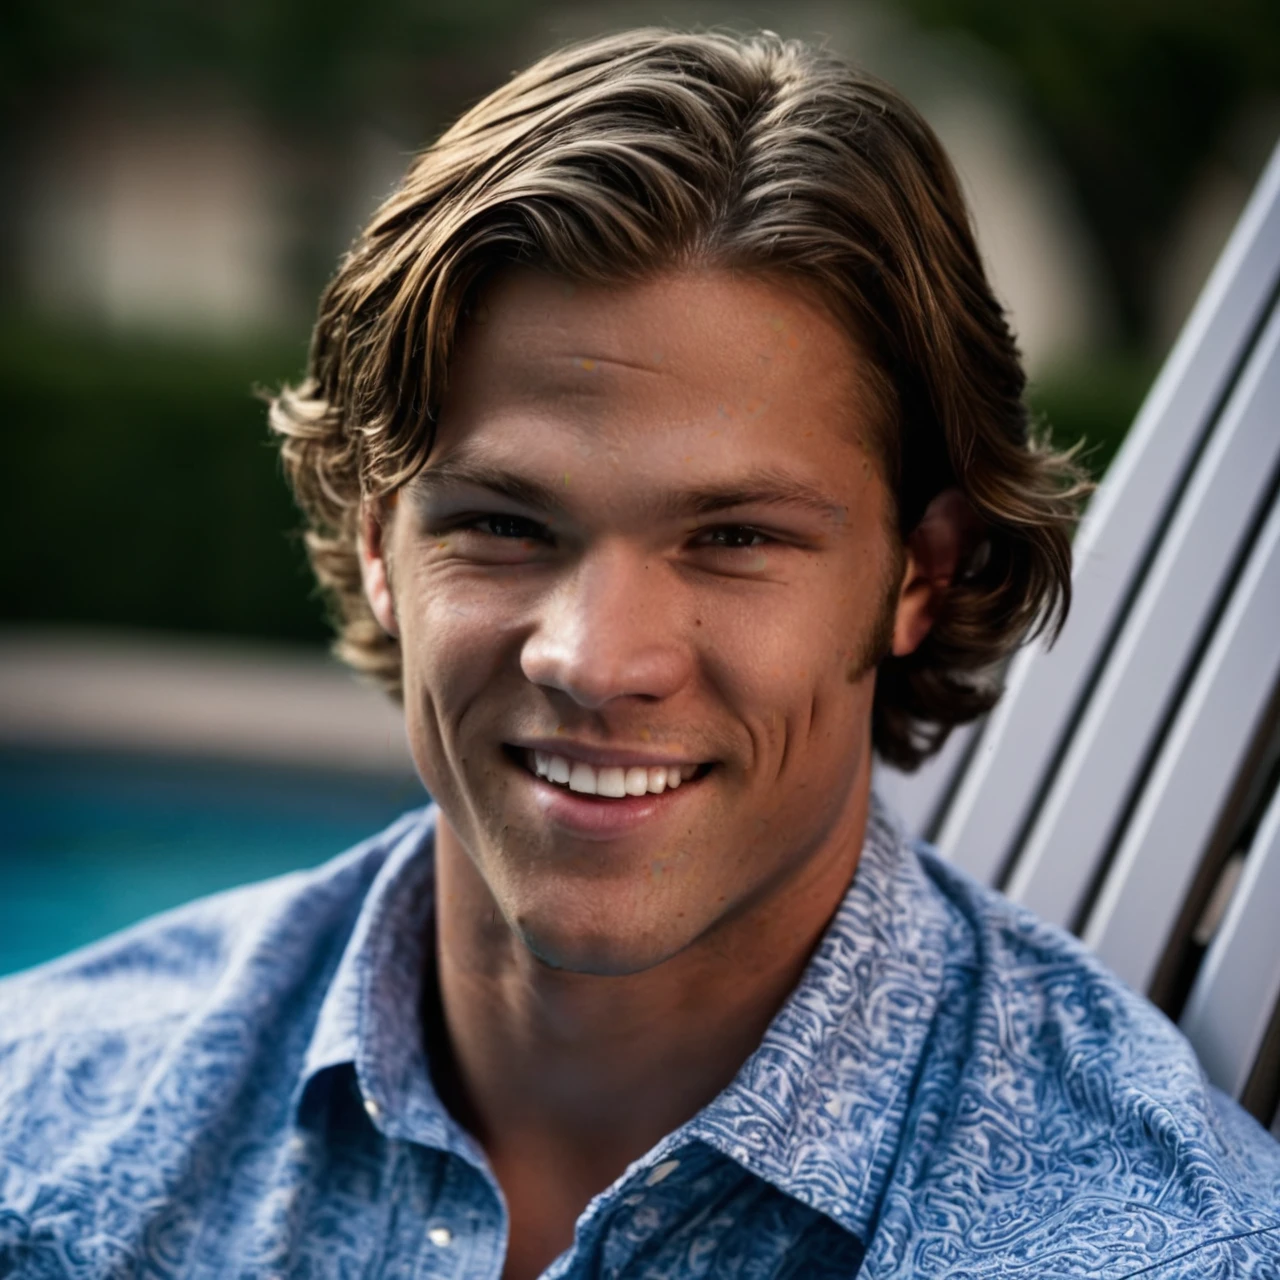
x=610, y=781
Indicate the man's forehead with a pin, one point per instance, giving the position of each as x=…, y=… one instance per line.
x=694, y=362
x=689, y=323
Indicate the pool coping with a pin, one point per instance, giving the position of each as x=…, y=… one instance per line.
x=105, y=690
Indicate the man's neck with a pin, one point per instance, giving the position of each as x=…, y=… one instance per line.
x=566, y=1078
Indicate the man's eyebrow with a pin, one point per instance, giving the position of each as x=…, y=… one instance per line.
x=761, y=487
x=456, y=473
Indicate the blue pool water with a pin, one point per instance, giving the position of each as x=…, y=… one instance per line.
x=90, y=843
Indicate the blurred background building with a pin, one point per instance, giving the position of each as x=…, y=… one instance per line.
x=180, y=179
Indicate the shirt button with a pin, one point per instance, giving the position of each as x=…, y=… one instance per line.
x=374, y=1111
x=441, y=1237
x=664, y=1170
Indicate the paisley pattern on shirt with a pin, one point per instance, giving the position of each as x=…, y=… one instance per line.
x=239, y=1089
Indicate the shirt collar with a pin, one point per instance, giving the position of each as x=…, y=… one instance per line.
x=817, y=1110
x=370, y=1018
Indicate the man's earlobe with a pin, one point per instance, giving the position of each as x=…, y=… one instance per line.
x=374, y=572
x=936, y=550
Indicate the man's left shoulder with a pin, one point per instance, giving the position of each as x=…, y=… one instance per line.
x=1064, y=1127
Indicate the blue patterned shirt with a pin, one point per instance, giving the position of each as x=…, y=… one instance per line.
x=239, y=1089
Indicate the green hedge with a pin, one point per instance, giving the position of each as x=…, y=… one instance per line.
x=1094, y=401
x=142, y=490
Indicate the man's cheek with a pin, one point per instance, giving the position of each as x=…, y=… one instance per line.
x=453, y=646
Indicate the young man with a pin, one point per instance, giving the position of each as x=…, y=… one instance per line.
x=664, y=452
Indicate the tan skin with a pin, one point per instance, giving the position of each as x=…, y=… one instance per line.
x=652, y=524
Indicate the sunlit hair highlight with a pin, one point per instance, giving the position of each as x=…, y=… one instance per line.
x=616, y=159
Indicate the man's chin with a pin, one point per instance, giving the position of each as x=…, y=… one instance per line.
x=617, y=953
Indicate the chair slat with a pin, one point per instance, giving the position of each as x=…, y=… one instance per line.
x=1023, y=737
x=1091, y=791
x=1239, y=979
x=1193, y=774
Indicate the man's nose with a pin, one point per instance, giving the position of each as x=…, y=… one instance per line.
x=610, y=629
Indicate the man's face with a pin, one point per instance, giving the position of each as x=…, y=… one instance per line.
x=651, y=539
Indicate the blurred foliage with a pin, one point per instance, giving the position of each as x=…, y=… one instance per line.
x=316, y=63
x=1092, y=401
x=147, y=493
x=1134, y=97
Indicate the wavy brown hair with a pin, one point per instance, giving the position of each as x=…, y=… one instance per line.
x=618, y=158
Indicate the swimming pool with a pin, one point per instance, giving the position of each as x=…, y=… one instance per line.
x=91, y=842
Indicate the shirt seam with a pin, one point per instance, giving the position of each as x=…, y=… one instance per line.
x=1205, y=1244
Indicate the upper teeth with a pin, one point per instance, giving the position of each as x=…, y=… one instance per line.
x=611, y=780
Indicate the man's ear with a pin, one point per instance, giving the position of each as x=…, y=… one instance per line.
x=937, y=549
x=375, y=527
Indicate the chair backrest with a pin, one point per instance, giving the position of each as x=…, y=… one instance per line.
x=1126, y=785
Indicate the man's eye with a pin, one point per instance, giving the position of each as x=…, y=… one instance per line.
x=500, y=526
x=494, y=538
x=734, y=537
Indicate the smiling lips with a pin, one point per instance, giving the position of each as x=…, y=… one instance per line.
x=613, y=781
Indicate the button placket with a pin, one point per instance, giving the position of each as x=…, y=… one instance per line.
x=639, y=1211
x=660, y=1172
x=461, y=1233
